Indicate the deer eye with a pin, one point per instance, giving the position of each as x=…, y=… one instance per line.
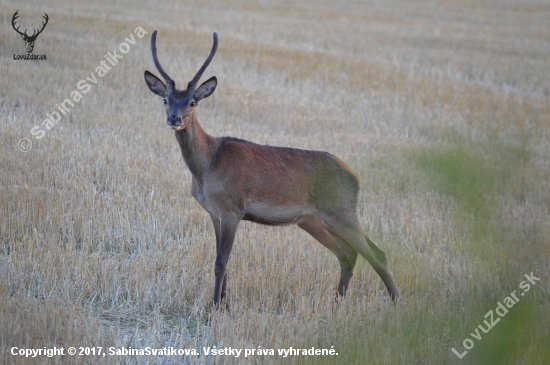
x=193, y=104
x=165, y=101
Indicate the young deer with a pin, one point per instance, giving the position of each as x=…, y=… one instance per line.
x=236, y=180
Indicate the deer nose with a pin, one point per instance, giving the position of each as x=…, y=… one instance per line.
x=174, y=120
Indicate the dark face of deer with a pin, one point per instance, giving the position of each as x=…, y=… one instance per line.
x=179, y=104
x=29, y=42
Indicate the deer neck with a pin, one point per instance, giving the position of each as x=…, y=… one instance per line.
x=197, y=147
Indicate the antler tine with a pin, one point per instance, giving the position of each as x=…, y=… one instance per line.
x=170, y=84
x=197, y=77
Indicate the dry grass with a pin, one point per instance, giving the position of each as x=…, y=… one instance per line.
x=443, y=109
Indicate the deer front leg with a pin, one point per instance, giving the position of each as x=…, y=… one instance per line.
x=228, y=228
x=216, y=223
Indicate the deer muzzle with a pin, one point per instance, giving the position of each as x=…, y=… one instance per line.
x=174, y=121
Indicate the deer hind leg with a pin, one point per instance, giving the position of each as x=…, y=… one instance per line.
x=343, y=251
x=380, y=255
x=348, y=229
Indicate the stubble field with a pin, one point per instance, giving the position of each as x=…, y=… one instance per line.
x=442, y=108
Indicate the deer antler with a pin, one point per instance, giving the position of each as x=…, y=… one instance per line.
x=34, y=34
x=43, y=26
x=193, y=83
x=15, y=16
x=170, y=84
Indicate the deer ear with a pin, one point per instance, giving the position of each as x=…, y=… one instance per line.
x=206, y=89
x=155, y=85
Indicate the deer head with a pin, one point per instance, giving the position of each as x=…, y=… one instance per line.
x=29, y=40
x=179, y=104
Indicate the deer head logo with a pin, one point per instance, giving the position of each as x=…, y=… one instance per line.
x=29, y=39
